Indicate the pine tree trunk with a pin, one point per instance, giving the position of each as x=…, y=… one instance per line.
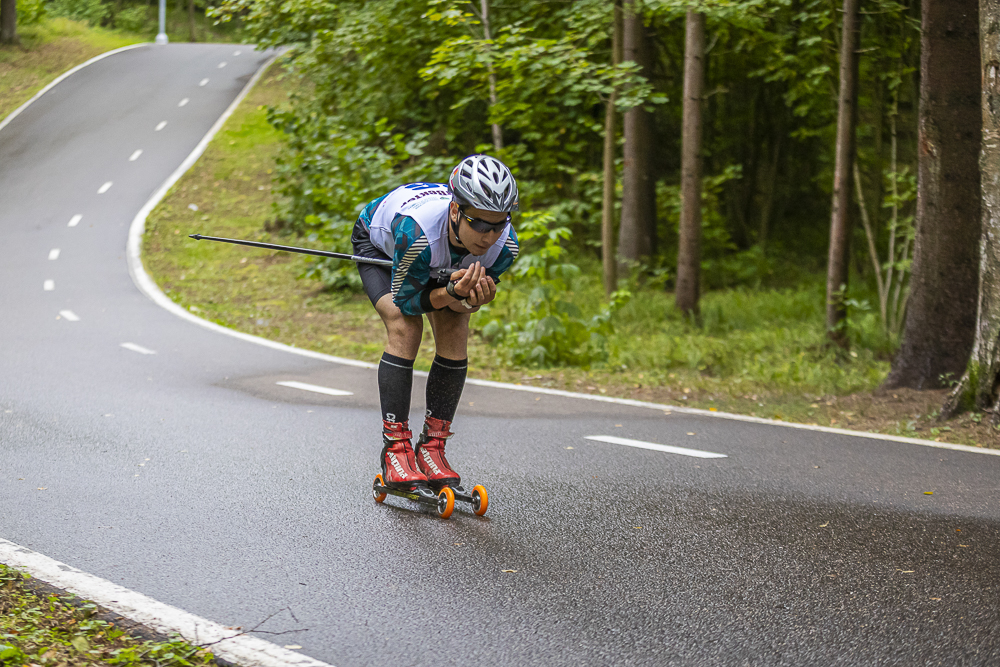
x=608, y=255
x=637, y=231
x=978, y=388
x=841, y=217
x=191, y=20
x=689, y=246
x=941, y=312
x=8, y=22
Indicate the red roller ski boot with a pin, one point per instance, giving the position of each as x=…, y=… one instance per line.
x=400, y=475
x=440, y=475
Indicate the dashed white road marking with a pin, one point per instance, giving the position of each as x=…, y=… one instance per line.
x=162, y=124
x=75, y=220
x=222, y=64
x=203, y=82
x=236, y=53
x=69, y=315
x=49, y=285
x=138, y=348
x=54, y=253
x=135, y=155
x=316, y=388
x=652, y=445
x=184, y=101
x=104, y=188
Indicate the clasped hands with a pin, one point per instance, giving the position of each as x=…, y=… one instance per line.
x=473, y=285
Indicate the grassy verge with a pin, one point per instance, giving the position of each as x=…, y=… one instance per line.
x=47, y=50
x=759, y=353
x=47, y=629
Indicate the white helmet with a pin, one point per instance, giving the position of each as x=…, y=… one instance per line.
x=485, y=183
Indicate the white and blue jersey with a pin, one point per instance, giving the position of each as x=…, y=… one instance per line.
x=410, y=225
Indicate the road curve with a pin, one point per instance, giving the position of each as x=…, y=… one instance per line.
x=165, y=458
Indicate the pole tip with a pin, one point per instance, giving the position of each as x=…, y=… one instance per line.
x=196, y=237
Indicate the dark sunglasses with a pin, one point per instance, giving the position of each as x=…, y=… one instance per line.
x=482, y=226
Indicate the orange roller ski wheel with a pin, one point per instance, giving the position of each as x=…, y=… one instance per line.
x=480, y=500
x=446, y=502
x=377, y=485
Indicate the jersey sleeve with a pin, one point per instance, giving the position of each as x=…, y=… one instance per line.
x=411, y=272
x=507, y=256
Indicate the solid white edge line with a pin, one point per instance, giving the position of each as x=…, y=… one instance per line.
x=62, y=76
x=315, y=388
x=670, y=449
x=151, y=290
x=243, y=650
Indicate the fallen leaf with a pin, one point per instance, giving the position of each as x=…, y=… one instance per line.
x=80, y=644
x=538, y=398
x=824, y=525
x=618, y=425
x=928, y=493
x=686, y=390
x=569, y=448
x=509, y=571
x=637, y=527
x=963, y=545
x=713, y=409
x=906, y=571
x=690, y=432
x=42, y=488
x=935, y=598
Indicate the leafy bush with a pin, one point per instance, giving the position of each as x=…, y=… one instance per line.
x=132, y=19
x=30, y=12
x=545, y=327
x=92, y=11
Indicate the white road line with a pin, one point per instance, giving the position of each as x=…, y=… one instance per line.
x=54, y=253
x=236, y=53
x=184, y=101
x=75, y=220
x=660, y=448
x=69, y=315
x=104, y=188
x=203, y=82
x=162, y=124
x=316, y=388
x=222, y=64
x=49, y=285
x=135, y=155
x=138, y=348
x=233, y=646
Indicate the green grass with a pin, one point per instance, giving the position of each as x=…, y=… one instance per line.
x=47, y=629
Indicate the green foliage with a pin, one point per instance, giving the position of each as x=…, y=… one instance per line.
x=133, y=19
x=93, y=12
x=48, y=630
x=539, y=324
x=30, y=12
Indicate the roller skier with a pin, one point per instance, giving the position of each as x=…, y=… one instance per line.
x=463, y=226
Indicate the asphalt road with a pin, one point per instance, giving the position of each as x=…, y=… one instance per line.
x=189, y=475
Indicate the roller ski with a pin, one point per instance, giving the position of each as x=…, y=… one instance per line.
x=401, y=477
x=432, y=463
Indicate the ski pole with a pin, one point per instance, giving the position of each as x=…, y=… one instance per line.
x=305, y=251
x=440, y=275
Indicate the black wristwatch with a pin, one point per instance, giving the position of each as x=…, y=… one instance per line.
x=450, y=288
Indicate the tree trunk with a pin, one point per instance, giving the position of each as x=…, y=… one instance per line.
x=841, y=218
x=8, y=22
x=608, y=255
x=497, y=132
x=194, y=37
x=978, y=388
x=941, y=312
x=637, y=232
x=689, y=245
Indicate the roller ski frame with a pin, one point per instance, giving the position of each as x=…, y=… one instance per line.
x=442, y=500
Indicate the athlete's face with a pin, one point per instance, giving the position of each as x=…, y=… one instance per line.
x=478, y=242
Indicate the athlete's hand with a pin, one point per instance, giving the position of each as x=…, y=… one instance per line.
x=484, y=292
x=468, y=279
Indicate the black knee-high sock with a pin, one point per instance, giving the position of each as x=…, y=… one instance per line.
x=444, y=387
x=395, y=380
